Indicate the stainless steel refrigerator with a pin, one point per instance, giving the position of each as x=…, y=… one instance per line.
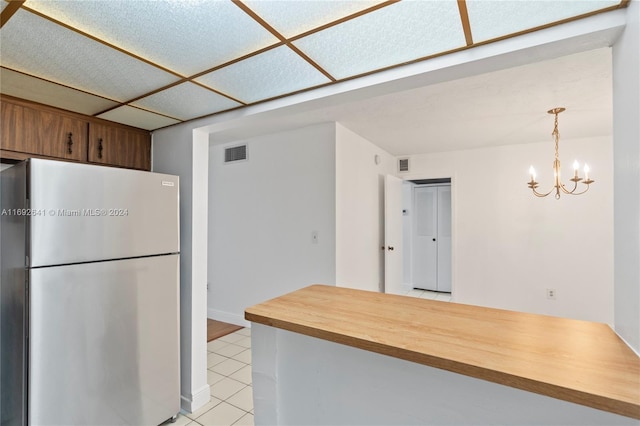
x=89, y=297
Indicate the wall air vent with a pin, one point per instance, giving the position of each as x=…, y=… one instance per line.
x=403, y=165
x=235, y=153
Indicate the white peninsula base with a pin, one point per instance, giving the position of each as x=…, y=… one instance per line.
x=301, y=380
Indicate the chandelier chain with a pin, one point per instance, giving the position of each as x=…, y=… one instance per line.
x=556, y=135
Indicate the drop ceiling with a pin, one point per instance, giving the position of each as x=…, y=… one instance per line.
x=152, y=64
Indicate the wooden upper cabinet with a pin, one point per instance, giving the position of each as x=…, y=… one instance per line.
x=34, y=130
x=42, y=132
x=119, y=146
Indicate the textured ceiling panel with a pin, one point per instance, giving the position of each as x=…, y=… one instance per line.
x=306, y=15
x=490, y=19
x=270, y=74
x=41, y=48
x=44, y=92
x=137, y=118
x=392, y=35
x=186, y=101
x=185, y=36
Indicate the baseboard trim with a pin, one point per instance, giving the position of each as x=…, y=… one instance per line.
x=192, y=402
x=227, y=317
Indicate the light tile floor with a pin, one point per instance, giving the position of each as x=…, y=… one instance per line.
x=229, y=375
x=426, y=294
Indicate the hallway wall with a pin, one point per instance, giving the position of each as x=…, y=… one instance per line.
x=262, y=213
x=360, y=210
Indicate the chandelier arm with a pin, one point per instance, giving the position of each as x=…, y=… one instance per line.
x=579, y=193
x=566, y=191
x=540, y=194
x=573, y=191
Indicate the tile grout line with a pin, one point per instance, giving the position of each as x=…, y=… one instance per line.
x=230, y=340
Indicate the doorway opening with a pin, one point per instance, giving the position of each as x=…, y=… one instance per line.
x=427, y=234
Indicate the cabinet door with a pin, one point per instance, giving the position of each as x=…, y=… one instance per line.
x=43, y=132
x=118, y=146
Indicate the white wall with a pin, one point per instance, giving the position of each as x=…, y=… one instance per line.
x=183, y=152
x=626, y=142
x=360, y=210
x=509, y=246
x=262, y=213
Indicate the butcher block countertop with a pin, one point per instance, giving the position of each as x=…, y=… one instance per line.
x=577, y=361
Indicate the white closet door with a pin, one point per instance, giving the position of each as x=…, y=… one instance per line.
x=444, y=238
x=425, y=238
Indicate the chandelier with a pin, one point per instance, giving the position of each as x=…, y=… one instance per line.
x=558, y=186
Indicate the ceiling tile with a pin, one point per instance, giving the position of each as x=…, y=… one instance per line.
x=186, y=101
x=273, y=73
x=490, y=19
x=138, y=118
x=34, y=89
x=3, y=5
x=39, y=47
x=306, y=15
x=184, y=36
x=389, y=36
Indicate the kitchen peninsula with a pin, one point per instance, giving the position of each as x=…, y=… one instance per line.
x=330, y=355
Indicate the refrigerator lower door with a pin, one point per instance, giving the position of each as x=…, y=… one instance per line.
x=104, y=343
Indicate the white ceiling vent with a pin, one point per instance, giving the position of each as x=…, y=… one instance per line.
x=403, y=165
x=235, y=153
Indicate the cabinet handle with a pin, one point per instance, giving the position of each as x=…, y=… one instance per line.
x=100, y=148
x=390, y=248
x=70, y=143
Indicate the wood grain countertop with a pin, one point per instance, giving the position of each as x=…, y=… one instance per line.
x=577, y=361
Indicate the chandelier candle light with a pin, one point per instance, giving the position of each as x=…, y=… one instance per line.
x=558, y=186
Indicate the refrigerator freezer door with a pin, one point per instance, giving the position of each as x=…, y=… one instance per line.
x=104, y=343
x=86, y=213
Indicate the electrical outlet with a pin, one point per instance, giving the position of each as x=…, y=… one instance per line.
x=551, y=293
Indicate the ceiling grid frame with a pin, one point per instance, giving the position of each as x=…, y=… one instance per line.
x=466, y=25
x=620, y=5
x=181, y=78
x=283, y=39
x=15, y=5
x=10, y=9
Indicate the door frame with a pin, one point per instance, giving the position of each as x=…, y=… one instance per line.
x=454, y=222
x=414, y=230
